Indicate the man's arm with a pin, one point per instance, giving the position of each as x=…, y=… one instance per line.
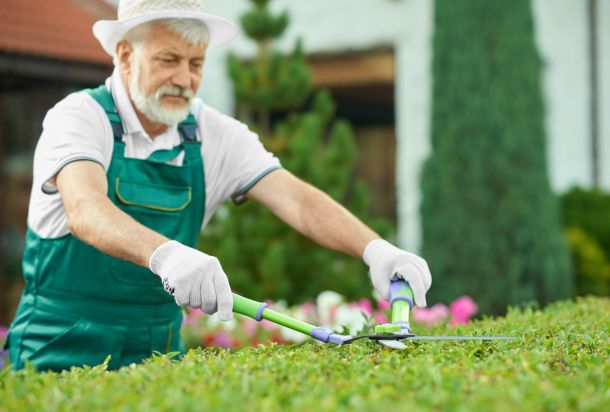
x=313, y=213
x=192, y=277
x=95, y=220
x=316, y=215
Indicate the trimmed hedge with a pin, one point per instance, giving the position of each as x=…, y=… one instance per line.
x=559, y=363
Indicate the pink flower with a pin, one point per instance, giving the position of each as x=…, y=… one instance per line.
x=3, y=332
x=193, y=316
x=249, y=326
x=383, y=305
x=308, y=309
x=268, y=325
x=462, y=309
x=223, y=339
x=430, y=316
x=380, y=318
x=364, y=306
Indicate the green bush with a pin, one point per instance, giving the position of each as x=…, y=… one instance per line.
x=491, y=225
x=589, y=210
x=559, y=363
x=586, y=215
x=590, y=263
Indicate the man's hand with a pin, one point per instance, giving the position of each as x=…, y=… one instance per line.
x=193, y=278
x=387, y=262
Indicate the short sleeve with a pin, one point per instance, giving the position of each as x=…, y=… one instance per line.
x=75, y=129
x=234, y=158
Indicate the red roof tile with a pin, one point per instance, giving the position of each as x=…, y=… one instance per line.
x=59, y=29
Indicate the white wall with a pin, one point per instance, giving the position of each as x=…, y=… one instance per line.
x=603, y=36
x=562, y=37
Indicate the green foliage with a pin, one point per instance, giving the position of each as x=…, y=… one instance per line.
x=276, y=82
x=590, y=263
x=589, y=210
x=586, y=213
x=491, y=226
x=261, y=25
x=263, y=257
x=559, y=363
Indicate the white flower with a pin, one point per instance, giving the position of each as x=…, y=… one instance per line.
x=350, y=317
x=327, y=302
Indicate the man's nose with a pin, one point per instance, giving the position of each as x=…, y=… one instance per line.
x=182, y=77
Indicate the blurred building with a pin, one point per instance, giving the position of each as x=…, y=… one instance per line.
x=47, y=50
x=375, y=56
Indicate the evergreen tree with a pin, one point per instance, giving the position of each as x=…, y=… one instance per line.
x=262, y=256
x=491, y=225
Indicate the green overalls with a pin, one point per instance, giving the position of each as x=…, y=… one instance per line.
x=80, y=305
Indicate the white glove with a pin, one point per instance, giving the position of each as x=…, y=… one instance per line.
x=387, y=262
x=193, y=278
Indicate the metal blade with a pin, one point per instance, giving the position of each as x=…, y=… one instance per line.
x=460, y=338
x=394, y=344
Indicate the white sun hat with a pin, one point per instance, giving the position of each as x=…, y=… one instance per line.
x=131, y=13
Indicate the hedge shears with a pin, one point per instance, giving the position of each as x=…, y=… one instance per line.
x=392, y=335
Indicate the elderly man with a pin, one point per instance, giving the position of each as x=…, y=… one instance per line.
x=124, y=177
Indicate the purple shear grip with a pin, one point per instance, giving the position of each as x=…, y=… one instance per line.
x=321, y=334
x=406, y=299
x=259, y=313
x=395, y=287
x=336, y=339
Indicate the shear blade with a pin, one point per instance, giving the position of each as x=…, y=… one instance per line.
x=394, y=344
x=459, y=338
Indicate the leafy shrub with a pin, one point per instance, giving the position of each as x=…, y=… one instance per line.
x=558, y=363
x=590, y=263
x=589, y=210
x=490, y=223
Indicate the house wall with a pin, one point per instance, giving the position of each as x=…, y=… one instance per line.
x=407, y=26
x=603, y=36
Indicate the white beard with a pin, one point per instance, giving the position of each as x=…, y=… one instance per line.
x=151, y=106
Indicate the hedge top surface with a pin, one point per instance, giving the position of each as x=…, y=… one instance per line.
x=560, y=362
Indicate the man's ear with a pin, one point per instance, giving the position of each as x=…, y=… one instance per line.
x=124, y=56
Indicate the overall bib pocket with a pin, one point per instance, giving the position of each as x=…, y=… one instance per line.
x=161, y=198
x=145, y=201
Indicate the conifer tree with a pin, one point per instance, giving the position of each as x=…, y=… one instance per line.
x=491, y=225
x=262, y=256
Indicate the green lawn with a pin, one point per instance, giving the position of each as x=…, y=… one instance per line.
x=559, y=363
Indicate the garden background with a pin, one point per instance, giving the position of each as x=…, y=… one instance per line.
x=501, y=217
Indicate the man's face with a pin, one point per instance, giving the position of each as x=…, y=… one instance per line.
x=163, y=75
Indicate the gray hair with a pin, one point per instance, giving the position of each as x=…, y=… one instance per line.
x=192, y=31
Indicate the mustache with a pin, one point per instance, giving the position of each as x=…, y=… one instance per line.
x=187, y=94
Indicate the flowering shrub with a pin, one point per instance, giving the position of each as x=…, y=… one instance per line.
x=329, y=311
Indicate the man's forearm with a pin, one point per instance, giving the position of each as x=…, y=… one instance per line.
x=97, y=221
x=331, y=225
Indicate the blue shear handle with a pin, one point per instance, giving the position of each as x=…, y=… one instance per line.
x=401, y=291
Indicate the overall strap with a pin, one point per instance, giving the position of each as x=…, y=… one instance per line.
x=102, y=95
x=188, y=129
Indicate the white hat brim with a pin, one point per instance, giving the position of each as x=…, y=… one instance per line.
x=109, y=32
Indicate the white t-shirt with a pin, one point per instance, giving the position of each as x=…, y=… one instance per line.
x=77, y=129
